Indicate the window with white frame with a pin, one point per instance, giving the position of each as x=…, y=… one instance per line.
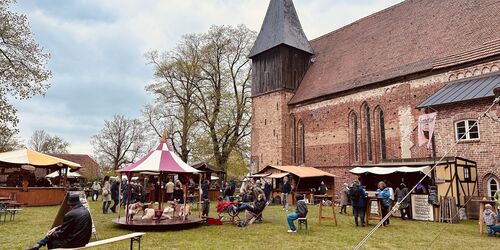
x=492, y=185
x=467, y=130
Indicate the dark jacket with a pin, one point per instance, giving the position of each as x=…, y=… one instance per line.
x=259, y=206
x=75, y=230
x=204, y=189
x=267, y=189
x=115, y=191
x=360, y=197
x=301, y=209
x=286, y=188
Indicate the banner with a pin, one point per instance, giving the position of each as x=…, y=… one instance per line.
x=426, y=123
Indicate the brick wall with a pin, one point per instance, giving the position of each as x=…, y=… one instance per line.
x=327, y=135
x=270, y=143
x=486, y=150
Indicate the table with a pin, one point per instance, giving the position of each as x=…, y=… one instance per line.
x=368, y=214
x=482, y=204
x=321, y=217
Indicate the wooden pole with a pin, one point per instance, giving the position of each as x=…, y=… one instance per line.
x=119, y=195
x=199, y=195
x=129, y=189
x=161, y=191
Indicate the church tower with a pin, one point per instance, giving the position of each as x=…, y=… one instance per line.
x=280, y=58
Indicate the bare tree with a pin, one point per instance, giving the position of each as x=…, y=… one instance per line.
x=22, y=64
x=177, y=73
x=223, y=97
x=9, y=142
x=120, y=142
x=43, y=142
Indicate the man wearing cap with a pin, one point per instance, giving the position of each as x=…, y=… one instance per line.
x=75, y=230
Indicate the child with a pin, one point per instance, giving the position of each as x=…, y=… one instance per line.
x=300, y=212
x=490, y=219
x=222, y=205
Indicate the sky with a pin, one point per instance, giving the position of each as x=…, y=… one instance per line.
x=97, y=51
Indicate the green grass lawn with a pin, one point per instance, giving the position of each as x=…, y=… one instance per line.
x=33, y=223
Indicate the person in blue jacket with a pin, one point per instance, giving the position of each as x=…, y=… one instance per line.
x=384, y=195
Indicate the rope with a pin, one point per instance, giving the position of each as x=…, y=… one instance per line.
x=441, y=231
x=396, y=207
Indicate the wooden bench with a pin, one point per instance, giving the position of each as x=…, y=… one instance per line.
x=134, y=237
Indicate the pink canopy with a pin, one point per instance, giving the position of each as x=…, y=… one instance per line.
x=162, y=159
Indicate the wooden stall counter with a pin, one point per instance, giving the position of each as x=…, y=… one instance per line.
x=35, y=196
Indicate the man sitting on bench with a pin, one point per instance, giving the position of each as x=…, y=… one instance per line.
x=75, y=230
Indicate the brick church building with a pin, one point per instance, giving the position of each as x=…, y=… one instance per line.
x=352, y=97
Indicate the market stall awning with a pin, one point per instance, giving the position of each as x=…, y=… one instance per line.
x=73, y=175
x=36, y=159
x=302, y=172
x=260, y=175
x=278, y=175
x=162, y=159
x=389, y=170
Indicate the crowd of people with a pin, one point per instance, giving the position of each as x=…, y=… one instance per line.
x=75, y=230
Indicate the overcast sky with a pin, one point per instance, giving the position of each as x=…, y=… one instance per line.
x=97, y=49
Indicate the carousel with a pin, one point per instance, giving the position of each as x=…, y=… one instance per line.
x=158, y=216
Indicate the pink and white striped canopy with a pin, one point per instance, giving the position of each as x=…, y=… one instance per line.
x=162, y=159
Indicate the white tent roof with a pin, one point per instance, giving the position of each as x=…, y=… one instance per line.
x=389, y=170
x=70, y=174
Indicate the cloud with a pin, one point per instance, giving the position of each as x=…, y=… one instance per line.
x=97, y=51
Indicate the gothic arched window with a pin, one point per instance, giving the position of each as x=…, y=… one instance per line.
x=368, y=132
x=353, y=132
x=379, y=113
x=492, y=186
x=301, y=142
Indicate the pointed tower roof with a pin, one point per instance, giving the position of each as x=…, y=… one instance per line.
x=281, y=26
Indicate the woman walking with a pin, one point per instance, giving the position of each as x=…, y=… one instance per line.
x=106, y=195
x=344, y=198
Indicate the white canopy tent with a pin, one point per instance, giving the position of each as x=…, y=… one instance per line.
x=55, y=174
x=390, y=170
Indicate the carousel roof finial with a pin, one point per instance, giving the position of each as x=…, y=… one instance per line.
x=164, y=136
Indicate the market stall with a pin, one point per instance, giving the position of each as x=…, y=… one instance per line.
x=22, y=175
x=304, y=180
x=454, y=179
x=215, y=175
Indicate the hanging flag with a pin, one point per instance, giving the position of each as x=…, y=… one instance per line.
x=426, y=125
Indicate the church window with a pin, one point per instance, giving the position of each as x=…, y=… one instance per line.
x=381, y=133
x=353, y=127
x=301, y=135
x=368, y=132
x=293, y=136
x=492, y=186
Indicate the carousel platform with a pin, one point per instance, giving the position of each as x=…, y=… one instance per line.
x=173, y=224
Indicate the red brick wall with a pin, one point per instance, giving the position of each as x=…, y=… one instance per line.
x=486, y=150
x=327, y=138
